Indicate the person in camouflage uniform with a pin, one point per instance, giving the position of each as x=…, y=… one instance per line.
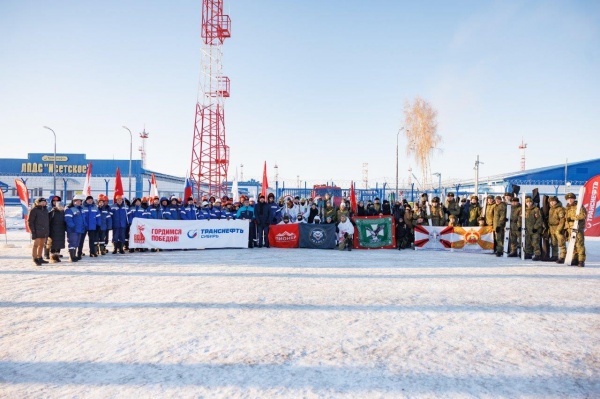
x=533, y=229
x=489, y=211
x=556, y=228
x=452, y=207
x=570, y=217
x=436, y=213
x=515, y=227
x=499, y=223
x=474, y=211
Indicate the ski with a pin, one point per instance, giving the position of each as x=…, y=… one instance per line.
x=523, y=229
x=507, y=230
x=574, y=229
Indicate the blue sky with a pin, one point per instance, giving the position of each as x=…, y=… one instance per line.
x=317, y=87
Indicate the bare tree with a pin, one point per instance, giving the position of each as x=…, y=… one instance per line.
x=421, y=134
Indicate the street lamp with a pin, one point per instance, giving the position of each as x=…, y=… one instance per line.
x=130, y=156
x=477, y=163
x=397, y=135
x=439, y=175
x=53, y=162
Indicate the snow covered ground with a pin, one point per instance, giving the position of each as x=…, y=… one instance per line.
x=300, y=323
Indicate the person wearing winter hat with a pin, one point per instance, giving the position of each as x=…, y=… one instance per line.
x=246, y=212
x=556, y=229
x=39, y=226
x=75, y=225
x=189, y=211
x=105, y=224
x=345, y=234
x=118, y=213
x=155, y=209
x=571, y=217
x=91, y=217
x=48, y=243
x=58, y=228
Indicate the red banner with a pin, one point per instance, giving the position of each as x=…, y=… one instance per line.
x=590, y=202
x=118, y=185
x=24, y=197
x=284, y=235
x=2, y=217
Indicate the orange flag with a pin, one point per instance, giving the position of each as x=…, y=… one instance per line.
x=265, y=182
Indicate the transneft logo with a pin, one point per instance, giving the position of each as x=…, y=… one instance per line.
x=592, y=206
x=215, y=233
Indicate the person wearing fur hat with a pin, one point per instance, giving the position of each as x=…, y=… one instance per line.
x=312, y=213
x=75, y=225
x=436, y=213
x=376, y=209
x=105, y=223
x=474, y=212
x=556, y=229
x=91, y=217
x=58, y=229
x=515, y=227
x=39, y=226
x=533, y=226
x=571, y=217
x=342, y=210
x=118, y=213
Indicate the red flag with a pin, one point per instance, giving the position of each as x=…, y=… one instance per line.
x=590, y=202
x=2, y=218
x=265, y=182
x=353, y=203
x=118, y=185
x=87, y=185
x=24, y=197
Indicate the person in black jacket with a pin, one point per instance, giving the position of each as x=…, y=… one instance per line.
x=58, y=229
x=39, y=225
x=262, y=215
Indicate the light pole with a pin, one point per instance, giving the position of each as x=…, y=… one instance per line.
x=53, y=163
x=477, y=163
x=397, y=135
x=439, y=175
x=130, y=156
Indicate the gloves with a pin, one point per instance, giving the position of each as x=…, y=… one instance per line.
x=498, y=229
x=345, y=235
x=534, y=231
x=505, y=220
x=520, y=229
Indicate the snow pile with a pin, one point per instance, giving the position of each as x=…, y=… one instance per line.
x=298, y=323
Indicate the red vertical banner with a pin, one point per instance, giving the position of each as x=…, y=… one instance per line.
x=2, y=215
x=24, y=197
x=118, y=185
x=353, y=203
x=590, y=202
x=265, y=182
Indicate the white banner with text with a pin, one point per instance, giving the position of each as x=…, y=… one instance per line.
x=188, y=234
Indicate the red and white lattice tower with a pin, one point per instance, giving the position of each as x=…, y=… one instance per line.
x=210, y=154
x=522, y=148
x=142, y=148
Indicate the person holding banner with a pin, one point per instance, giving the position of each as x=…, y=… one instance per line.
x=39, y=225
x=345, y=233
x=262, y=215
x=572, y=217
x=246, y=212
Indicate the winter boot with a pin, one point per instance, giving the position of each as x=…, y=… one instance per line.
x=513, y=254
x=54, y=258
x=72, y=255
x=581, y=264
x=528, y=256
x=46, y=252
x=115, y=248
x=536, y=258
x=42, y=260
x=120, y=245
x=561, y=261
x=36, y=261
x=102, y=249
x=553, y=259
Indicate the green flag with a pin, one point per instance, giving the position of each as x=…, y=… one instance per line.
x=374, y=232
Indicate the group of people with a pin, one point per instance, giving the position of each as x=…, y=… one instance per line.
x=86, y=217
